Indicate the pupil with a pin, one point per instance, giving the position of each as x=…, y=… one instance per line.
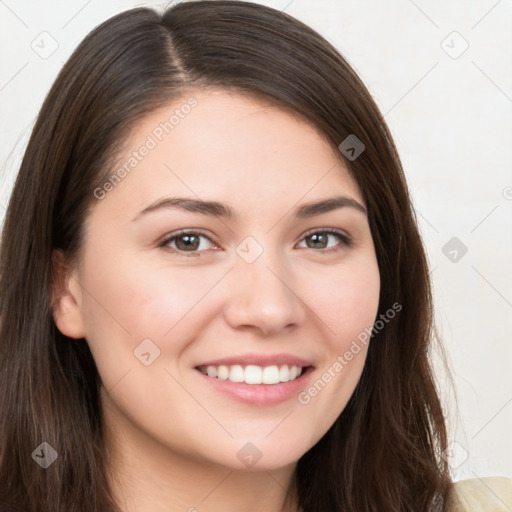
x=190, y=242
x=318, y=240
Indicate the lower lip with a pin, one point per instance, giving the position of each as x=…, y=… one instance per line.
x=260, y=394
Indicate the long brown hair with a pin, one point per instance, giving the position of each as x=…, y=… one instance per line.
x=384, y=452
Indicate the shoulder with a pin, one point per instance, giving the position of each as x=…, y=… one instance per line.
x=489, y=494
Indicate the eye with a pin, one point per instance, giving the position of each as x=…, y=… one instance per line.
x=323, y=239
x=194, y=242
x=187, y=241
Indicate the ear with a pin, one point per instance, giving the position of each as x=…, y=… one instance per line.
x=66, y=295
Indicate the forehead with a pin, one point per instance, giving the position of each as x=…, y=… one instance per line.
x=224, y=146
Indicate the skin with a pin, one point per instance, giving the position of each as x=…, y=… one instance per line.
x=173, y=439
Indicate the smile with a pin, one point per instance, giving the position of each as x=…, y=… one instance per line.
x=256, y=385
x=252, y=374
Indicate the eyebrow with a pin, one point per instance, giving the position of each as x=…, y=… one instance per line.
x=221, y=210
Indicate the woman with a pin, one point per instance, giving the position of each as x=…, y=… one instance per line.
x=214, y=291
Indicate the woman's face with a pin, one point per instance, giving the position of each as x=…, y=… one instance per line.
x=166, y=288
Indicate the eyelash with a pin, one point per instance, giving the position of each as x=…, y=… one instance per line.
x=345, y=241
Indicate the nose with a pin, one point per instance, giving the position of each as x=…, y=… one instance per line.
x=262, y=297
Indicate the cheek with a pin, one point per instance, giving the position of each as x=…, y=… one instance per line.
x=124, y=306
x=348, y=303
x=162, y=301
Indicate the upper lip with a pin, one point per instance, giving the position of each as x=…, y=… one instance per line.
x=259, y=360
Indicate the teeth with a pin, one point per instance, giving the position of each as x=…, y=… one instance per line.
x=211, y=371
x=284, y=374
x=252, y=374
x=222, y=372
x=270, y=375
x=236, y=373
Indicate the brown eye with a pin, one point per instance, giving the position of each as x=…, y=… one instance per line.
x=326, y=239
x=187, y=242
x=318, y=240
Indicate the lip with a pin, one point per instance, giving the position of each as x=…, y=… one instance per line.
x=259, y=360
x=259, y=394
